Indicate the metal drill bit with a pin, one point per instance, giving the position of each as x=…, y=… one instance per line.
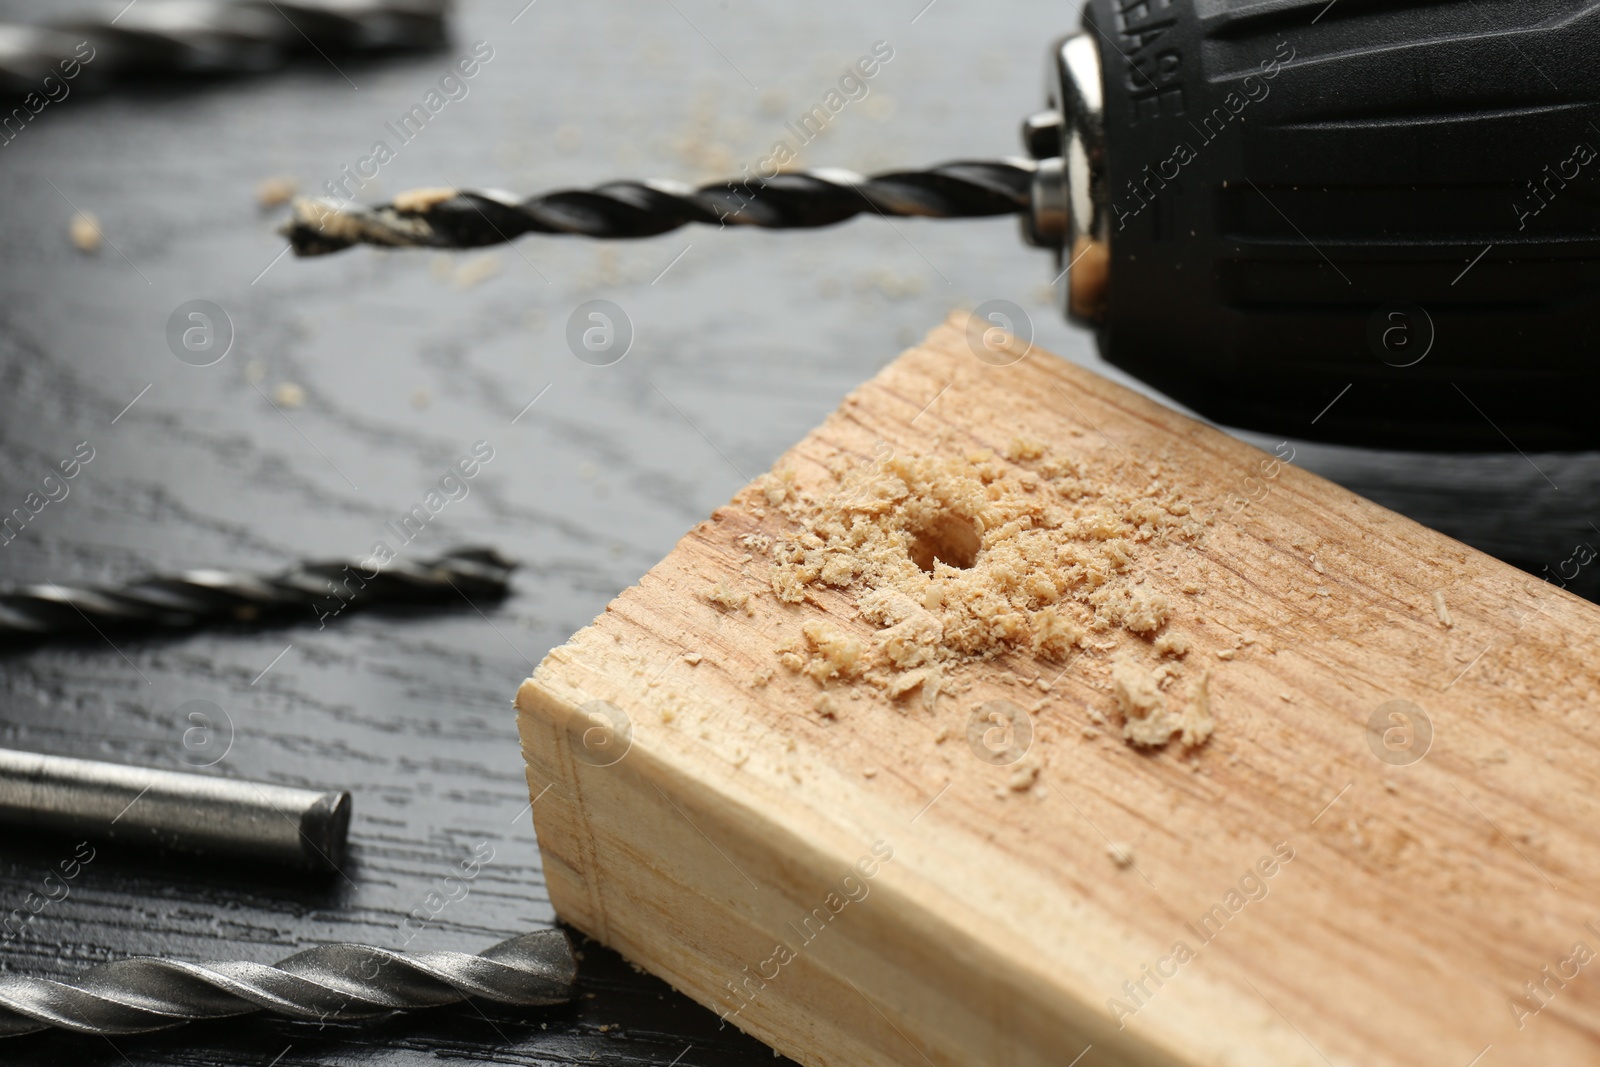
x=202, y=813
x=330, y=982
x=452, y=218
x=157, y=37
x=194, y=598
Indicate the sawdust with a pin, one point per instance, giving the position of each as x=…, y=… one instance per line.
x=1442, y=610
x=827, y=653
x=728, y=598
x=1145, y=718
x=289, y=395
x=1171, y=644
x=274, y=192
x=1148, y=718
x=334, y=224
x=84, y=232
x=1197, y=721
x=955, y=561
x=1025, y=773
x=415, y=201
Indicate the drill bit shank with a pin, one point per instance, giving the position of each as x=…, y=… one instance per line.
x=201, y=813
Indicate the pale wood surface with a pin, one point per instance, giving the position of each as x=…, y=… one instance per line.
x=1420, y=898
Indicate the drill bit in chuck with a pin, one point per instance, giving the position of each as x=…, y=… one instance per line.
x=452, y=218
x=327, y=983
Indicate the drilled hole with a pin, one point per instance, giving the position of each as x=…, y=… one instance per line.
x=949, y=539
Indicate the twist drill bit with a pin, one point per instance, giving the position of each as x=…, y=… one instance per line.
x=451, y=218
x=194, y=598
x=330, y=982
x=167, y=37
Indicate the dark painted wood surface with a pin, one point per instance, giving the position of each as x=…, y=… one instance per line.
x=401, y=362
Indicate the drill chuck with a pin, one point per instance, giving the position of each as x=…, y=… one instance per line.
x=1266, y=203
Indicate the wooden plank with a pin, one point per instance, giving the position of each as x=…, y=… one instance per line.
x=863, y=878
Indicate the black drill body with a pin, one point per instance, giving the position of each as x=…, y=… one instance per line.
x=1400, y=198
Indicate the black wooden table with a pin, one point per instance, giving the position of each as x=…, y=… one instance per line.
x=355, y=381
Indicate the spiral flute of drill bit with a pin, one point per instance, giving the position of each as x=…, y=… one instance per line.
x=452, y=218
x=326, y=983
x=193, y=598
x=221, y=37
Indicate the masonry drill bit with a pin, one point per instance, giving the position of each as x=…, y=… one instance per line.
x=314, y=589
x=452, y=218
x=327, y=983
x=175, y=37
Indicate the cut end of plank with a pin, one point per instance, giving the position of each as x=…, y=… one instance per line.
x=1012, y=714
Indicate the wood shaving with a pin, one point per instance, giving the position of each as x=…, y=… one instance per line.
x=289, y=395
x=1147, y=720
x=1198, y=723
x=728, y=598
x=1024, y=775
x=828, y=653
x=1441, y=610
x=907, y=683
x=275, y=192
x=1025, y=448
x=418, y=200
x=1172, y=644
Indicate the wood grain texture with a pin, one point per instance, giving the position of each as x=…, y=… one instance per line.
x=1340, y=900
